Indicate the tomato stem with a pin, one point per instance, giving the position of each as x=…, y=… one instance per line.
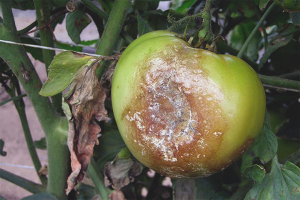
x=245, y=45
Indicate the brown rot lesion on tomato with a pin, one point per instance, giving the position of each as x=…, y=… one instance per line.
x=181, y=117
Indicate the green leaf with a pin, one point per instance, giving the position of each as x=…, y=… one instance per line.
x=2, y=152
x=62, y=71
x=283, y=182
x=143, y=26
x=35, y=52
x=203, y=188
x=264, y=147
x=283, y=38
x=76, y=21
x=39, y=196
x=240, y=34
x=295, y=17
x=41, y=144
x=255, y=173
x=263, y=4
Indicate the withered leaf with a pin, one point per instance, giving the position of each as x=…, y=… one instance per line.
x=86, y=102
x=121, y=171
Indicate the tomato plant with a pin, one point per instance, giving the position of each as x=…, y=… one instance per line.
x=185, y=112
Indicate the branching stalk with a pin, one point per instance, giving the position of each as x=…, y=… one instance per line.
x=22, y=182
x=280, y=83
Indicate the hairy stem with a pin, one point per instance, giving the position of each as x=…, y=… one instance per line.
x=241, y=52
x=280, y=83
x=205, y=33
x=46, y=34
x=98, y=180
x=22, y=182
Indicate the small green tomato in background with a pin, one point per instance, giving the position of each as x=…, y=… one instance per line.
x=185, y=112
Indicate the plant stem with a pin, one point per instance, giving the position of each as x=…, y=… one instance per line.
x=12, y=99
x=58, y=159
x=205, y=33
x=20, y=106
x=240, y=54
x=43, y=17
x=22, y=182
x=46, y=34
x=104, y=16
x=113, y=27
x=280, y=83
x=28, y=28
x=97, y=179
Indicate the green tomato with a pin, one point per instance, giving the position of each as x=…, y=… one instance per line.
x=185, y=112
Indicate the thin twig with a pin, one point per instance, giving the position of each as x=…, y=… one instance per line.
x=49, y=23
x=12, y=99
x=262, y=19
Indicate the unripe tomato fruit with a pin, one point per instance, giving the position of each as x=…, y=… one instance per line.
x=185, y=112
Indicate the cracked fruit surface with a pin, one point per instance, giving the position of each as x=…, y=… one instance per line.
x=185, y=112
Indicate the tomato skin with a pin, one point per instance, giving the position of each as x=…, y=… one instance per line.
x=185, y=112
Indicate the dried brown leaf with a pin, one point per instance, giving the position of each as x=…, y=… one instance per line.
x=121, y=172
x=86, y=103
